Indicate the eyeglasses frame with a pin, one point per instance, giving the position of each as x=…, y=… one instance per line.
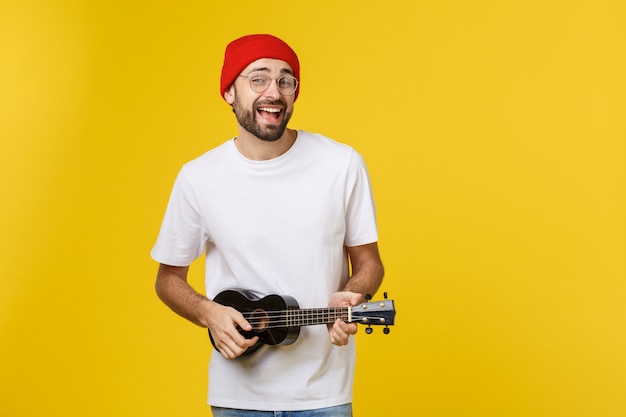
x=270, y=83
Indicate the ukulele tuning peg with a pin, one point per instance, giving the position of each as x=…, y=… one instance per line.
x=386, y=330
x=369, y=330
x=368, y=297
x=385, y=295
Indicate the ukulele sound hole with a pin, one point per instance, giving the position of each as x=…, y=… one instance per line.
x=259, y=320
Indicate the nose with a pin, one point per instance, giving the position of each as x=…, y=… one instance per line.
x=272, y=90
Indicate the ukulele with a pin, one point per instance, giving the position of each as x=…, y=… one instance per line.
x=277, y=319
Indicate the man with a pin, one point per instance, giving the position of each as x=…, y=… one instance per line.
x=276, y=211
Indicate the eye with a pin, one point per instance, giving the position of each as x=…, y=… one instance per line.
x=286, y=81
x=258, y=79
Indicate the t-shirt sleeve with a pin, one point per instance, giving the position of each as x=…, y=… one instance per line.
x=181, y=238
x=361, y=225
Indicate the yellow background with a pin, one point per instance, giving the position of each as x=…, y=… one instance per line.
x=495, y=135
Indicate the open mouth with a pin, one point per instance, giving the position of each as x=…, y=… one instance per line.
x=270, y=114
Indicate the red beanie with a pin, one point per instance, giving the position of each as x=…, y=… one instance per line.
x=243, y=51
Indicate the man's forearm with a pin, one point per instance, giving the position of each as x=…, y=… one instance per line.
x=367, y=280
x=173, y=289
x=367, y=269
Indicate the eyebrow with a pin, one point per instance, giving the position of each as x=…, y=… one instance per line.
x=266, y=69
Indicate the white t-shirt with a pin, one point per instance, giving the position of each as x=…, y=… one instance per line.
x=275, y=227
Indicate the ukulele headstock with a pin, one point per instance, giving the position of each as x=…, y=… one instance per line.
x=375, y=313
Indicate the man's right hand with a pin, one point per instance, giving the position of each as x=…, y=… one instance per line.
x=224, y=324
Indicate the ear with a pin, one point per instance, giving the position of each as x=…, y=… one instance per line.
x=229, y=95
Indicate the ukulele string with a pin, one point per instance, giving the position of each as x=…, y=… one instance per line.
x=292, y=318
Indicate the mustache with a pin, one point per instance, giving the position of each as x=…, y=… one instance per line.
x=271, y=103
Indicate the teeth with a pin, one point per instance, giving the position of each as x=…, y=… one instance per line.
x=269, y=110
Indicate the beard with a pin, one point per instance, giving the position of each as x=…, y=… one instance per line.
x=247, y=120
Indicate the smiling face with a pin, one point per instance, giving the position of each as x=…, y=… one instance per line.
x=264, y=115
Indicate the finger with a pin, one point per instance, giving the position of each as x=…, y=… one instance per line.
x=347, y=328
x=239, y=320
x=338, y=334
x=339, y=339
x=250, y=342
x=233, y=349
x=350, y=328
x=356, y=299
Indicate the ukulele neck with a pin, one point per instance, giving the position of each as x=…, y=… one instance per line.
x=314, y=316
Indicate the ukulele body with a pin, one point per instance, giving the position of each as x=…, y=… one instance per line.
x=262, y=315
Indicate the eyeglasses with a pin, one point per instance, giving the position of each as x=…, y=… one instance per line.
x=259, y=82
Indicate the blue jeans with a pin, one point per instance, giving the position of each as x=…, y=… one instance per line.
x=338, y=411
